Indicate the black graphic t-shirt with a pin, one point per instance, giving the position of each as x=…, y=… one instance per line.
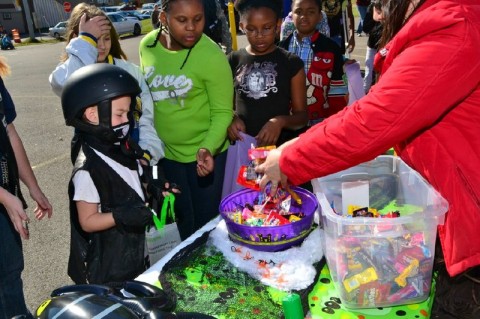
x=262, y=85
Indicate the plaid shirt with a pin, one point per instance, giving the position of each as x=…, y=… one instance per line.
x=302, y=49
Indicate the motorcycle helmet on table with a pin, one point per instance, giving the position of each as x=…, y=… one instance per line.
x=129, y=300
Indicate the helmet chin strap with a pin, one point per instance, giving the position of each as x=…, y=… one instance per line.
x=105, y=120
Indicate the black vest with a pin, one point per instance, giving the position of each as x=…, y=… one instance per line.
x=9, y=178
x=111, y=255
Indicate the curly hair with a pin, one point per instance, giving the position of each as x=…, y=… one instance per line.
x=4, y=67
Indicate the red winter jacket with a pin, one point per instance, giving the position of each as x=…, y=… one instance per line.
x=427, y=104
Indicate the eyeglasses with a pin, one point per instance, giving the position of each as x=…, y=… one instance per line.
x=267, y=31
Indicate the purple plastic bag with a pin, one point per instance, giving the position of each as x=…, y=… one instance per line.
x=355, y=82
x=236, y=157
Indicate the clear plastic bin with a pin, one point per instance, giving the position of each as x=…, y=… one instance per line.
x=380, y=261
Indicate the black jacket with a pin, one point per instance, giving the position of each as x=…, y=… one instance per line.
x=372, y=28
x=112, y=255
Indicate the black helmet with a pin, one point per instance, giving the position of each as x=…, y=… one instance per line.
x=97, y=84
x=144, y=301
x=83, y=305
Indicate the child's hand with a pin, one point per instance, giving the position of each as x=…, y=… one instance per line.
x=96, y=26
x=351, y=44
x=43, y=205
x=235, y=128
x=205, y=163
x=269, y=133
x=170, y=187
x=15, y=211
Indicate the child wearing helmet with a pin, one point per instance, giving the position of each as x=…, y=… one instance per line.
x=108, y=213
x=92, y=39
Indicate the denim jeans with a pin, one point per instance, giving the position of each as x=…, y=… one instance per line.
x=200, y=198
x=362, y=10
x=12, y=300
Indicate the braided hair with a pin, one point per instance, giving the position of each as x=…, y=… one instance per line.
x=165, y=7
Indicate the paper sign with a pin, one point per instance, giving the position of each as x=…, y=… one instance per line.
x=354, y=193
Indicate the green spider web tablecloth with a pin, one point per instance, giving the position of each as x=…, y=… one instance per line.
x=204, y=281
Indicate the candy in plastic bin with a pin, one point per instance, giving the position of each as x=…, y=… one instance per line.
x=386, y=270
x=417, y=238
x=353, y=265
x=361, y=212
x=363, y=258
x=417, y=282
x=394, y=214
x=355, y=281
x=397, y=244
x=373, y=293
x=342, y=267
x=405, y=257
x=351, y=209
x=410, y=270
x=408, y=292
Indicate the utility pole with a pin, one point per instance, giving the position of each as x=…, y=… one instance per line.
x=28, y=17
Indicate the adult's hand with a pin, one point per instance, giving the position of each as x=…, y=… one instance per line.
x=271, y=171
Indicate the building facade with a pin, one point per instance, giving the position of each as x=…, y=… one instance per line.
x=44, y=13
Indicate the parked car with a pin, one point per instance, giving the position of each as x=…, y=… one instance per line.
x=126, y=14
x=110, y=9
x=123, y=25
x=59, y=30
x=147, y=6
x=137, y=15
x=127, y=7
x=146, y=12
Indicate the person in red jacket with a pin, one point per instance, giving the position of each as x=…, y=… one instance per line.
x=427, y=105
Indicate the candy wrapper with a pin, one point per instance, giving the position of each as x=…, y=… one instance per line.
x=247, y=177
